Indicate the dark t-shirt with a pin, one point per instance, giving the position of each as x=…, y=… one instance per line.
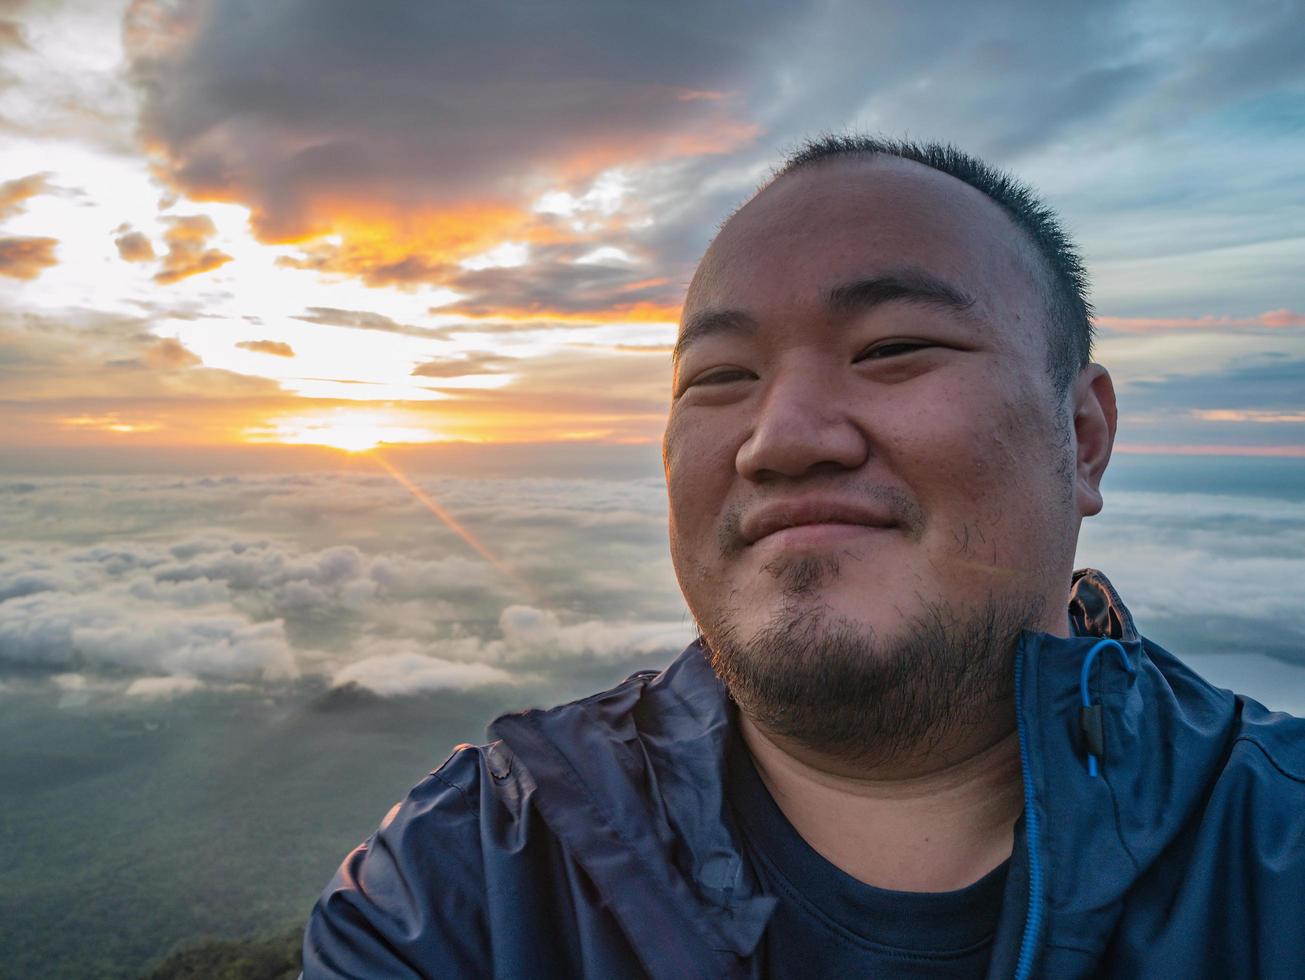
x=828, y=924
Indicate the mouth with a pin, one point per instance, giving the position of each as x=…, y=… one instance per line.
x=820, y=535
x=813, y=521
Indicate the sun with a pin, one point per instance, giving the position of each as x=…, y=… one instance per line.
x=351, y=430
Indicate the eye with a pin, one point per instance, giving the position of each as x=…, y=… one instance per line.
x=894, y=348
x=723, y=376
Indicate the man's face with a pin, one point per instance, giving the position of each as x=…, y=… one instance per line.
x=863, y=430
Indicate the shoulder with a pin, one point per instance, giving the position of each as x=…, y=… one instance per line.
x=1272, y=739
x=411, y=891
x=1256, y=792
x=1262, y=784
x=1261, y=747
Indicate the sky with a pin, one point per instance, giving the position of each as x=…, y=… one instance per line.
x=229, y=229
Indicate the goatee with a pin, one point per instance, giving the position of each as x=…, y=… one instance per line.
x=836, y=687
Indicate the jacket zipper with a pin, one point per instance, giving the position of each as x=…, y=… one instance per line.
x=1033, y=920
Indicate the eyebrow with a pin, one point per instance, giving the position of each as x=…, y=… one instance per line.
x=857, y=296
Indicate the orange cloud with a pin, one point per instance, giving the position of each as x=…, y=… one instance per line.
x=14, y=193
x=274, y=347
x=1191, y=449
x=109, y=422
x=1247, y=415
x=1274, y=319
x=187, y=238
x=25, y=258
x=385, y=245
x=134, y=247
x=1283, y=318
x=641, y=312
x=169, y=353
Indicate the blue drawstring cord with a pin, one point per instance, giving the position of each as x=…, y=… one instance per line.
x=1090, y=714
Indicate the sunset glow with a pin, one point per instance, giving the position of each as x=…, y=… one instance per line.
x=330, y=257
x=352, y=431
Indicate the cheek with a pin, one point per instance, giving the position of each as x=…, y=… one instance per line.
x=699, y=465
x=978, y=457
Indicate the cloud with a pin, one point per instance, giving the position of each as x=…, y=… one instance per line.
x=531, y=635
x=169, y=353
x=555, y=286
x=26, y=257
x=625, y=135
x=1283, y=318
x=134, y=246
x=257, y=120
x=162, y=688
x=1247, y=415
x=253, y=600
x=14, y=193
x=365, y=320
x=1271, y=319
x=84, y=364
x=71, y=631
x=274, y=347
x=1205, y=572
x=64, y=93
x=1265, y=384
x=343, y=578
x=415, y=673
x=416, y=158
x=472, y=362
x=13, y=35
x=187, y=237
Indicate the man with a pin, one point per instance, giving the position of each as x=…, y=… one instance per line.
x=910, y=740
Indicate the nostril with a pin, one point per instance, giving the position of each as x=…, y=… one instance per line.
x=795, y=450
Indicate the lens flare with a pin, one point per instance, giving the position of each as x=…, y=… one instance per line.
x=434, y=506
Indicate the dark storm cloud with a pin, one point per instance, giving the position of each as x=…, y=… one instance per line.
x=411, y=104
x=336, y=116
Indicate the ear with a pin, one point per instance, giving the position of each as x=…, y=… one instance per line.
x=1094, y=416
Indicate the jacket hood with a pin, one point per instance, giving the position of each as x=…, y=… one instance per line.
x=631, y=781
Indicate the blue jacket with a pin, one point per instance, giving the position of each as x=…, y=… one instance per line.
x=594, y=839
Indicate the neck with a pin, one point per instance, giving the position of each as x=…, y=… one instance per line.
x=928, y=821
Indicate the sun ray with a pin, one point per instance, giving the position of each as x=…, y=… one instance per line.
x=434, y=506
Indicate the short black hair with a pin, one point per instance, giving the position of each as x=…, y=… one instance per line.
x=1070, y=332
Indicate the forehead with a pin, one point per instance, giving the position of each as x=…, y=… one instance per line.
x=847, y=219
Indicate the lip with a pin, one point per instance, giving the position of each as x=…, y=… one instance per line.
x=821, y=517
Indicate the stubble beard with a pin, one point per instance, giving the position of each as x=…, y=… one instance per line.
x=836, y=687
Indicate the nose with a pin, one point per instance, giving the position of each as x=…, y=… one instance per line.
x=804, y=423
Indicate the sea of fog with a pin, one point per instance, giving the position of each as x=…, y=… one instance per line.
x=212, y=687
